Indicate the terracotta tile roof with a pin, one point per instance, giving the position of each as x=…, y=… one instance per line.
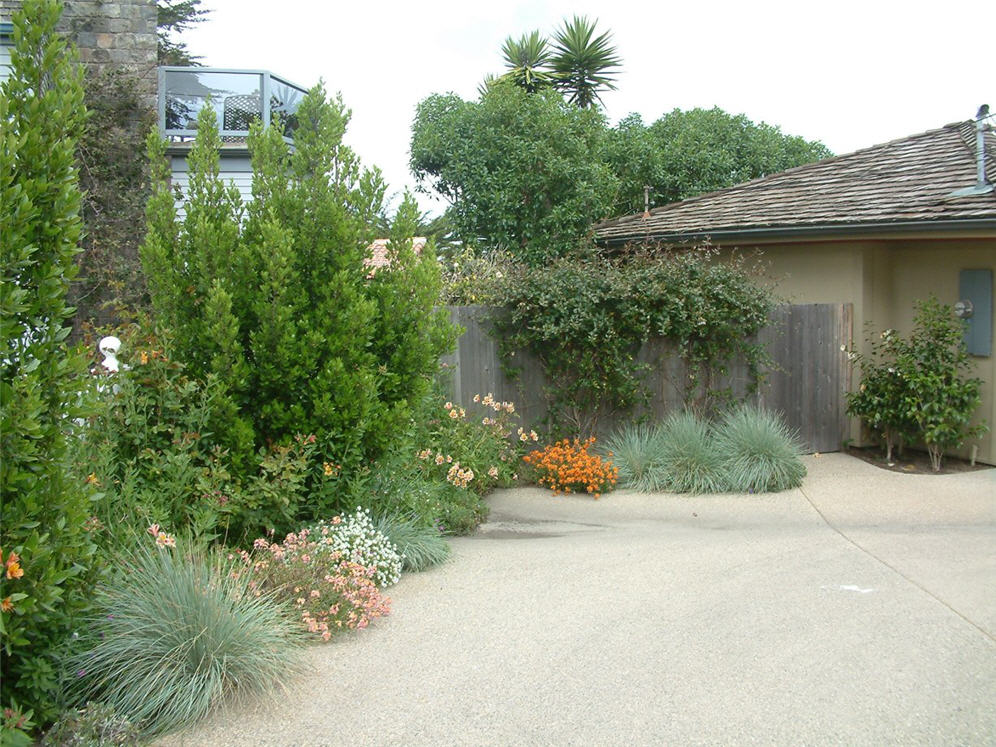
x=378, y=252
x=904, y=183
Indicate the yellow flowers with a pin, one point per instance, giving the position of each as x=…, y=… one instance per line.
x=331, y=470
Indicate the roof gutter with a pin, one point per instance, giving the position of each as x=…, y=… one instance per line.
x=803, y=232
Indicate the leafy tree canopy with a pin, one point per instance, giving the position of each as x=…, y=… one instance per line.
x=175, y=16
x=687, y=153
x=529, y=173
x=521, y=171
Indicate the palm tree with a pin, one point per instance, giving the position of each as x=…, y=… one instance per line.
x=582, y=64
x=525, y=59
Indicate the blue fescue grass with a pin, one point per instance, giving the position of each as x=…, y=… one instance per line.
x=759, y=452
x=689, y=461
x=421, y=546
x=178, y=632
x=636, y=449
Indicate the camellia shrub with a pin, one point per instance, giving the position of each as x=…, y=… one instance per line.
x=880, y=401
x=918, y=386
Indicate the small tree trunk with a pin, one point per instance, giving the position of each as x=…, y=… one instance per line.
x=936, y=454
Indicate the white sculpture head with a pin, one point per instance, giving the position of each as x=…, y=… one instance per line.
x=109, y=347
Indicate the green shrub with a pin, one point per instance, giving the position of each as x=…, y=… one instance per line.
x=421, y=546
x=398, y=483
x=636, y=449
x=918, y=386
x=45, y=506
x=759, y=453
x=690, y=461
x=941, y=396
x=92, y=725
x=478, y=450
x=585, y=317
x=880, y=401
x=177, y=632
x=274, y=297
x=150, y=452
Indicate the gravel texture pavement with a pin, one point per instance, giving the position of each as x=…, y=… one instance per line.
x=859, y=609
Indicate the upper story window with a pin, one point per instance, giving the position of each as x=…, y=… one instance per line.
x=238, y=97
x=6, y=42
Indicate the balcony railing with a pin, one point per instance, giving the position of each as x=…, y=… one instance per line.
x=237, y=97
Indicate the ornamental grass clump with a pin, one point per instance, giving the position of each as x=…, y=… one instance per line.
x=421, y=546
x=759, y=452
x=636, y=450
x=326, y=590
x=689, y=460
x=177, y=632
x=569, y=467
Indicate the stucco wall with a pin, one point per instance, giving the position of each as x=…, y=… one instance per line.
x=882, y=279
x=921, y=268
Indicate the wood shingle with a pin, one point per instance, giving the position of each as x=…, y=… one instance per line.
x=904, y=184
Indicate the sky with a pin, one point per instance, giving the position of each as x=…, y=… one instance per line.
x=850, y=74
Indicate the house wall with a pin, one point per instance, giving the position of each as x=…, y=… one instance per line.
x=882, y=279
x=920, y=268
x=233, y=168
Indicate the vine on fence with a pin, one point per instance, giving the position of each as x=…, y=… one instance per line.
x=585, y=317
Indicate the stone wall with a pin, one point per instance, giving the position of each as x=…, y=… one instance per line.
x=111, y=35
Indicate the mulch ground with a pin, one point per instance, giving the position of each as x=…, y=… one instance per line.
x=913, y=461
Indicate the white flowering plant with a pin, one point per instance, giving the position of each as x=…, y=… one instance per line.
x=355, y=538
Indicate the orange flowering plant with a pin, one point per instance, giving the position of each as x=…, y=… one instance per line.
x=568, y=467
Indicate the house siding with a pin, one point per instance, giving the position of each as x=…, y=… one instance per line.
x=234, y=169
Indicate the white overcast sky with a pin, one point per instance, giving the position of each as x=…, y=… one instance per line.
x=851, y=74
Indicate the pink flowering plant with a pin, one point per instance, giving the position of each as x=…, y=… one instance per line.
x=326, y=589
x=474, y=450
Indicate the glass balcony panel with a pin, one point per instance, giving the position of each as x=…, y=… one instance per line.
x=237, y=96
x=284, y=102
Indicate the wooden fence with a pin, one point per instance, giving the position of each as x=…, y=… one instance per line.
x=807, y=382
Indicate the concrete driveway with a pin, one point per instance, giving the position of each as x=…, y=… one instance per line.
x=860, y=609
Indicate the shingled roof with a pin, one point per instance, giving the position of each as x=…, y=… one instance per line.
x=903, y=185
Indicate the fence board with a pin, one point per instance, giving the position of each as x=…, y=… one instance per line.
x=807, y=382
